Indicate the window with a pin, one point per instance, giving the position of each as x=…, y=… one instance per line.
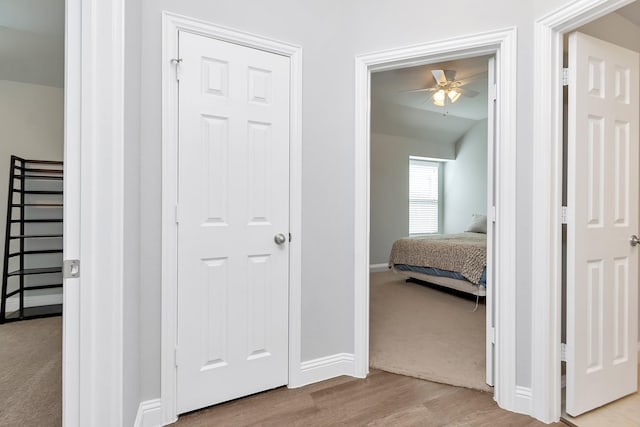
x=424, y=196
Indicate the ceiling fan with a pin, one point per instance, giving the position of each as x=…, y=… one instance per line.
x=447, y=87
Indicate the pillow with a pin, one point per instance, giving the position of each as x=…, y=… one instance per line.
x=478, y=224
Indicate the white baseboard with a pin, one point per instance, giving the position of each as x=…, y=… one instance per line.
x=377, y=268
x=149, y=414
x=524, y=400
x=13, y=304
x=324, y=368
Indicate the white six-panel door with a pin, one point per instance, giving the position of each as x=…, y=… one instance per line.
x=602, y=266
x=233, y=199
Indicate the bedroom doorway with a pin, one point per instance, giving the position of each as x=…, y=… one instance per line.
x=612, y=374
x=549, y=161
x=500, y=317
x=429, y=181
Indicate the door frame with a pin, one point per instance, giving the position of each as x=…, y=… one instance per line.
x=172, y=24
x=502, y=44
x=92, y=368
x=546, y=298
x=93, y=330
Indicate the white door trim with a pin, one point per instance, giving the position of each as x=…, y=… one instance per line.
x=547, y=198
x=172, y=24
x=93, y=228
x=71, y=402
x=502, y=43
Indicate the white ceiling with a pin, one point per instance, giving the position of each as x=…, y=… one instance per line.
x=394, y=111
x=32, y=41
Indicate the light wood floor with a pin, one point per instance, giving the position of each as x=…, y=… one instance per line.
x=382, y=399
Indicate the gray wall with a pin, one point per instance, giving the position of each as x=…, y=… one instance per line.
x=390, y=188
x=465, y=180
x=332, y=33
x=616, y=29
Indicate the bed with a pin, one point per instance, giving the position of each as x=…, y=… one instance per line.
x=456, y=261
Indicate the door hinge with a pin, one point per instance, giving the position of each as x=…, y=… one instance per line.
x=290, y=237
x=563, y=352
x=71, y=268
x=493, y=214
x=178, y=63
x=175, y=356
x=563, y=215
x=177, y=214
x=491, y=335
x=565, y=77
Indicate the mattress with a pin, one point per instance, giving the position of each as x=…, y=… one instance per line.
x=461, y=256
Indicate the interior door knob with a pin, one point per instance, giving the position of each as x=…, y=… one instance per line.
x=279, y=238
x=634, y=240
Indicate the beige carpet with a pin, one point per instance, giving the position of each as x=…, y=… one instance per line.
x=426, y=333
x=31, y=373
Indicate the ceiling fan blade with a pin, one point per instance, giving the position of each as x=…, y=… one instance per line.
x=439, y=76
x=468, y=92
x=450, y=75
x=428, y=89
x=472, y=78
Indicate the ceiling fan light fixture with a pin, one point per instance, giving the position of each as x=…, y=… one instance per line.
x=439, y=97
x=453, y=95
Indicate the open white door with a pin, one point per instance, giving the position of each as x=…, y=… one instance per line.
x=491, y=135
x=602, y=214
x=233, y=221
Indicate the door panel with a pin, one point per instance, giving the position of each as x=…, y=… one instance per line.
x=602, y=207
x=233, y=194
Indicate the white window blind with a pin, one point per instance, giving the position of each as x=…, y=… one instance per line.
x=423, y=196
